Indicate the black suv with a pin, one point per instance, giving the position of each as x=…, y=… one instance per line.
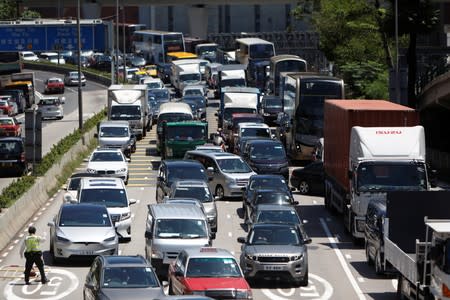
x=112, y=276
x=171, y=171
x=12, y=156
x=267, y=156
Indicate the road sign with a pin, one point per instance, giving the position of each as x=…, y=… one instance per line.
x=52, y=36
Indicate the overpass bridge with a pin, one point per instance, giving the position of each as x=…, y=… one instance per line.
x=434, y=107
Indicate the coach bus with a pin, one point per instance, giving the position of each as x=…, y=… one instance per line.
x=154, y=44
x=303, y=96
x=126, y=34
x=10, y=63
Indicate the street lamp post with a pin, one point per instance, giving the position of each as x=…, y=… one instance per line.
x=80, y=94
x=397, y=75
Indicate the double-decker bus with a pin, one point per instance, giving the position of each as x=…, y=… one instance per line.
x=10, y=63
x=126, y=31
x=154, y=44
x=255, y=53
x=283, y=63
x=303, y=97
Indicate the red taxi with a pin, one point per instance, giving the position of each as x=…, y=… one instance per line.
x=54, y=85
x=9, y=126
x=6, y=107
x=210, y=272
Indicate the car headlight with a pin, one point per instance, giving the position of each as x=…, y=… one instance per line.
x=61, y=239
x=296, y=257
x=251, y=257
x=91, y=170
x=230, y=180
x=169, y=151
x=110, y=239
x=123, y=170
x=244, y=294
x=266, y=114
x=125, y=216
x=157, y=254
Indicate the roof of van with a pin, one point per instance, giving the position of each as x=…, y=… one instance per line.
x=252, y=40
x=176, y=211
x=215, y=155
x=114, y=123
x=102, y=182
x=175, y=107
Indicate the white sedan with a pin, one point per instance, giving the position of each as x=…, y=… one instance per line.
x=108, y=162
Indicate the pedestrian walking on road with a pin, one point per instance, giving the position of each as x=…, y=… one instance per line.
x=31, y=248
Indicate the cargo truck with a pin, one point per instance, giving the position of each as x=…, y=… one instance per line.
x=179, y=137
x=371, y=147
x=23, y=81
x=417, y=243
x=128, y=102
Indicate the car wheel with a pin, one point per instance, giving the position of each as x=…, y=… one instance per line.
x=368, y=258
x=304, y=281
x=303, y=187
x=220, y=192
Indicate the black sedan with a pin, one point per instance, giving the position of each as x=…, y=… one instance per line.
x=310, y=179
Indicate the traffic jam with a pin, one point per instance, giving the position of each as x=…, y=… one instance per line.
x=216, y=177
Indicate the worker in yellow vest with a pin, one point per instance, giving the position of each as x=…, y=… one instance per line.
x=31, y=248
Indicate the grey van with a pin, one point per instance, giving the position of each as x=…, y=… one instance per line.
x=116, y=134
x=229, y=173
x=171, y=228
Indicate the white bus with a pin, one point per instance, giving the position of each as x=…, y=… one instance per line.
x=253, y=49
x=155, y=44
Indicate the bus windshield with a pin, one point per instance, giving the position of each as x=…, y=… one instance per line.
x=313, y=95
x=183, y=133
x=261, y=51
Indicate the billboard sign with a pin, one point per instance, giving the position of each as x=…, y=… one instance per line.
x=52, y=36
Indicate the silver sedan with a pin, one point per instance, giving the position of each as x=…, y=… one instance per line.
x=51, y=107
x=82, y=230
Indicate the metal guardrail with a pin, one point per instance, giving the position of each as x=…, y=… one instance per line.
x=429, y=75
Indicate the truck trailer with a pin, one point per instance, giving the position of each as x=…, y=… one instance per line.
x=417, y=242
x=371, y=147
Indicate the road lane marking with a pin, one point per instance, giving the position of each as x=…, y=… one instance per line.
x=348, y=256
x=230, y=234
x=342, y=261
x=360, y=279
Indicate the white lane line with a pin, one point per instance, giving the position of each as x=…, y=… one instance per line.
x=342, y=261
x=16, y=241
x=10, y=248
x=360, y=279
x=5, y=254
x=348, y=256
x=230, y=234
x=228, y=216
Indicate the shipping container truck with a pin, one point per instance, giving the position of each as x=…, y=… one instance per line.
x=417, y=243
x=371, y=147
x=128, y=102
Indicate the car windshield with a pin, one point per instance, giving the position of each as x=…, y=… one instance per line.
x=197, y=192
x=267, y=152
x=193, y=92
x=190, y=77
x=259, y=183
x=186, y=172
x=233, y=165
x=274, y=236
x=114, y=132
x=273, y=198
x=259, y=132
x=54, y=81
x=213, y=267
x=6, y=121
x=107, y=156
x=181, y=228
x=274, y=216
x=74, y=184
x=160, y=94
x=125, y=112
x=129, y=277
x=107, y=197
x=73, y=216
x=153, y=85
x=272, y=102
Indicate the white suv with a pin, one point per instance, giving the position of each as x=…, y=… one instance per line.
x=112, y=193
x=108, y=162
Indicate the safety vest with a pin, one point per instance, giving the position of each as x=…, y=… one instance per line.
x=32, y=244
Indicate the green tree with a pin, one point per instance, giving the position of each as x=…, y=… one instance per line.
x=7, y=9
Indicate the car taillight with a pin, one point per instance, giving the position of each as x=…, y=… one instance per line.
x=22, y=157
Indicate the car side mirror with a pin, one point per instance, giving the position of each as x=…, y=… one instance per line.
x=295, y=203
x=86, y=160
x=133, y=201
x=128, y=159
x=178, y=273
x=62, y=99
x=307, y=241
x=212, y=235
x=89, y=285
x=241, y=240
x=96, y=135
x=148, y=235
x=51, y=223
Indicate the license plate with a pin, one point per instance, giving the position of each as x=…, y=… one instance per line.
x=86, y=252
x=49, y=109
x=273, y=268
x=6, y=164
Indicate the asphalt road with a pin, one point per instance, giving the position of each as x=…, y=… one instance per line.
x=94, y=99
x=337, y=267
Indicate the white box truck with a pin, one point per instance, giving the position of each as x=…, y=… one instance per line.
x=128, y=102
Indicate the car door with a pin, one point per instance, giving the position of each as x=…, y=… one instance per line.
x=177, y=281
x=92, y=284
